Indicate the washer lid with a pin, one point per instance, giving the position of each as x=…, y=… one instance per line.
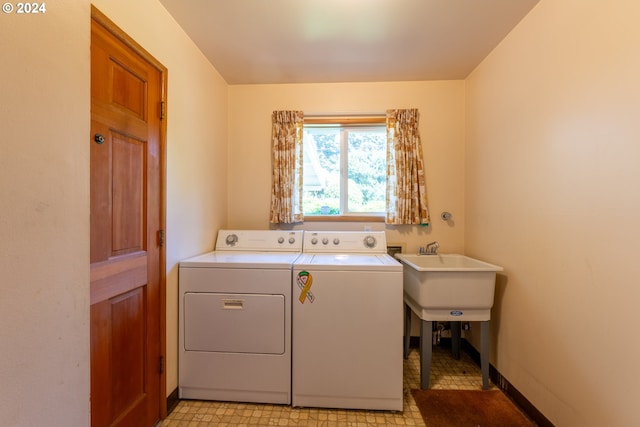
x=221, y=259
x=348, y=262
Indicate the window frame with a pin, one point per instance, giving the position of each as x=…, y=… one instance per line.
x=346, y=121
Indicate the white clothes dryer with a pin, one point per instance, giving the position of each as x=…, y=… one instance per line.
x=235, y=318
x=347, y=323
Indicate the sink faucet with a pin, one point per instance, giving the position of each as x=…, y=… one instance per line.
x=429, y=249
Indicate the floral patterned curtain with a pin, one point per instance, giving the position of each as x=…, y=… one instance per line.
x=286, y=186
x=406, y=190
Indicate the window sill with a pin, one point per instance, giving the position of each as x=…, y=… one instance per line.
x=344, y=218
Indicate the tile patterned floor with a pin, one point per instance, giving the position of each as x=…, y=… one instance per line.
x=446, y=373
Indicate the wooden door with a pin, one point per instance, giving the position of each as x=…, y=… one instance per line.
x=127, y=221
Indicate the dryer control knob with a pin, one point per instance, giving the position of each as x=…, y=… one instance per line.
x=292, y=240
x=231, y=239
x=336, y=241
x=370, y=242
x=281, y=240
x=325, y=240
x=314, y=241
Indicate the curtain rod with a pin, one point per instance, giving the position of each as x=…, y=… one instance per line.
x=346, y=120
x=345, y=114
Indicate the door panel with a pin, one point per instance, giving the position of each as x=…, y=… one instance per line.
x=129, y=194
x=127, y=349
x=128, y=89
x=127, y=213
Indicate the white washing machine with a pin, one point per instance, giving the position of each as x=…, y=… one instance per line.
x=235, y=318
x=347, y=323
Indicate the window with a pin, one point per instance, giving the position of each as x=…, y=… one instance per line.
x=345, y=167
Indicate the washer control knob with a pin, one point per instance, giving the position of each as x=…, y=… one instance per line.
x=281, y=240
x=325, y=240
x=314, y=241
x=336, y=241
x=231, y=239
x=292, y=240
x=370, y=242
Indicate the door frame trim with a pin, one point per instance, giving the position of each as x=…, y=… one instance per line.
x=110, y=26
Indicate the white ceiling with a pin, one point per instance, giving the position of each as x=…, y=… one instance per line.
x=318, y=41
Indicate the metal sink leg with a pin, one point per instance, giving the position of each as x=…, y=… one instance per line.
x=426, y=343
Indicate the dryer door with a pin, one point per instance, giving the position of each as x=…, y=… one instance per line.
x=234, y=323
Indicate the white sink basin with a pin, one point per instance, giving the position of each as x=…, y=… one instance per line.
x=448, y=287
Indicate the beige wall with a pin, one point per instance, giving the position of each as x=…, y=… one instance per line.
x=441, y=105
x=44, y=216
x=44, y=190
x=196, y=143
x=552, y=173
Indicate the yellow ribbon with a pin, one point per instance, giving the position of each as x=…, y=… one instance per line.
x=304, y=281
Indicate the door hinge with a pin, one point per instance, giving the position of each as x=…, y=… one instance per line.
x=161, y=365
x=161, y=238
x=162, y=107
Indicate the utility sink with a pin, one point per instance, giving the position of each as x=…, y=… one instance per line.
x=448, y=287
